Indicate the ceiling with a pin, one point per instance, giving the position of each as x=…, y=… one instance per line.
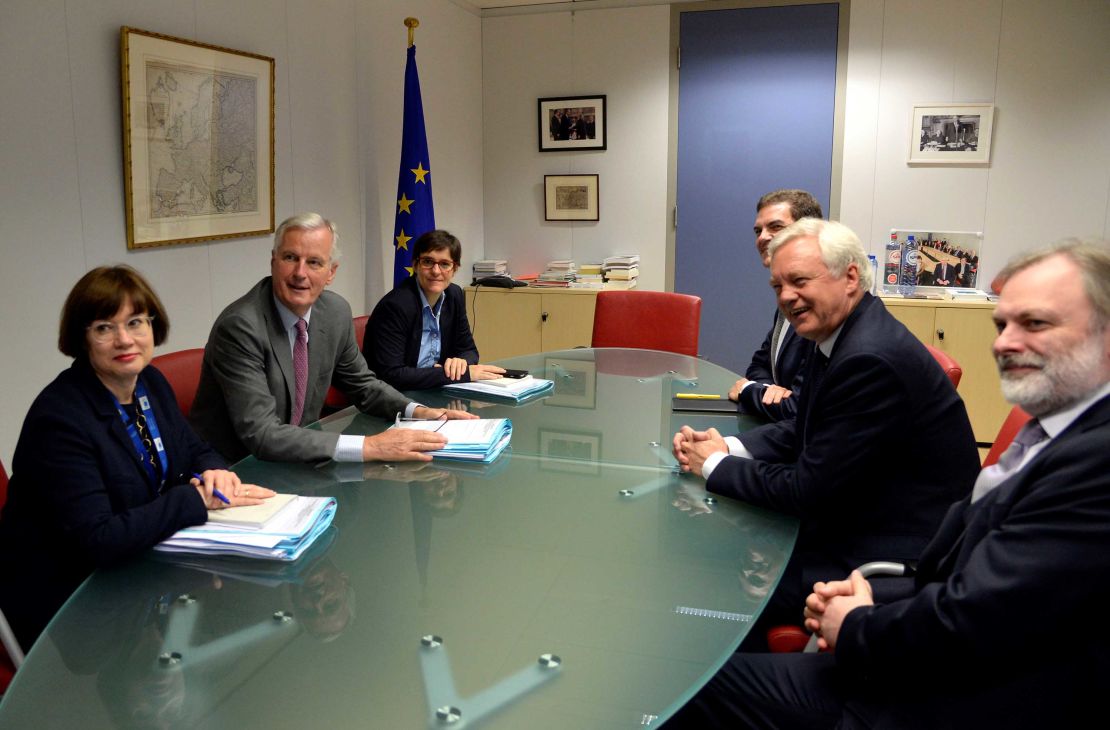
x=512, y=7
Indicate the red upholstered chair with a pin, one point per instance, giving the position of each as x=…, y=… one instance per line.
x=335, y=400
x=1006, y=434
x=950, y=367
x=12, y=655
x=649, y=320
x=182, y=369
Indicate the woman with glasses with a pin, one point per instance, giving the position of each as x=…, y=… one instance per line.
x=105, y=466
x=418, y=336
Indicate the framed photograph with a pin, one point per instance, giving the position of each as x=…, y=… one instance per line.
x=572, y=123
x=198, y=140
x=570, y=198
x=945, y=259
x=576, y=453
x=951, y=134
x=575, y=383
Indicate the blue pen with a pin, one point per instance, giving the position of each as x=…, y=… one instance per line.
x=219, y=495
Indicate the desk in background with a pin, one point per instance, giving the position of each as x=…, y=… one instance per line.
x=578, y=582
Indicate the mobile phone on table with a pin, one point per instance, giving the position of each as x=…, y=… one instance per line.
x=510, y=373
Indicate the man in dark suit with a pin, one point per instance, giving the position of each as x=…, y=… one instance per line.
x=273, y=353
x=849, y=464
x=997, y=630
x=943, y=274
x=772, y=383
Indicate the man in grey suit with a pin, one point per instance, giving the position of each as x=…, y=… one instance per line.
x=273, y=353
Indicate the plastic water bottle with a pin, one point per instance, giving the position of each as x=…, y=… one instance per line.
x=892, y=271
x=910, y=255
x=874, y=264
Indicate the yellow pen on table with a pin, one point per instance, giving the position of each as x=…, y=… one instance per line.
x=698, y=396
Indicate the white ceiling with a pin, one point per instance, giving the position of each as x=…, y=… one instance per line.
x=512, y=7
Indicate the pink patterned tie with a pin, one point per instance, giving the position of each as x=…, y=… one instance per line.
x=300, y=371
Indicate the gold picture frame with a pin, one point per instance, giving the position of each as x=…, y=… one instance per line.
x=198, y=140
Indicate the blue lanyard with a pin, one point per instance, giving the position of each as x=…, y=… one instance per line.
x=155, y=436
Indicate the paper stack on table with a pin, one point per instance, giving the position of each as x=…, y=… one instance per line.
x=516, y=390
x=480, y=440
x=284, y=535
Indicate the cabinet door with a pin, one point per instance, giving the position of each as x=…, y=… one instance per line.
x=968, y=334
x=918, y=320
x=568, y=320
x=505, y=323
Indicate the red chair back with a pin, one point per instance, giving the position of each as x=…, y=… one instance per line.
x=649, y=320
x=948, y=364
x=1006, y=434
x=335, y=400
x=182, y=369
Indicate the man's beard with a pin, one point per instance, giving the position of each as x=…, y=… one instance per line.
x=1064, y=378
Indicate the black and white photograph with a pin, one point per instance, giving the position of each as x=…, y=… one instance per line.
x=572, y=123
x=951, y=134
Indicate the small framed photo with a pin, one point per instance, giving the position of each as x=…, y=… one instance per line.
x=945, y=259
x=951, y=134
x=572, y=123
x=570, y=198
x=198, y=140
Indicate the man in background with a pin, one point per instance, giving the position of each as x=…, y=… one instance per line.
x=772, y=383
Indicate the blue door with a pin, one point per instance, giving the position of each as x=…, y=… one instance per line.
x=757, y=89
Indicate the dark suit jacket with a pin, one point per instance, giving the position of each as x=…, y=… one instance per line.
x=1008, y=595
x=790, y=370
x=392, y=342
x=79, y=498
x=245, y=396
x=855, y=464
x=944, y=272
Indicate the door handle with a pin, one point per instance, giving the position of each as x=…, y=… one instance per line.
x=543, y=316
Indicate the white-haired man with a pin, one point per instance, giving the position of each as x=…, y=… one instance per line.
x=1001, y=628
x=856, y=463
x=273, y=353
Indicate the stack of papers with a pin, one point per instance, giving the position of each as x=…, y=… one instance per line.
x=480, y=440
x=516, y=390
x=284, y=535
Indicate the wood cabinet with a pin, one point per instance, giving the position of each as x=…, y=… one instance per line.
x=511, y=322
x=965, y=331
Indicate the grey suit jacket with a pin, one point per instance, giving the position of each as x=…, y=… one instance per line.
x=245, y=397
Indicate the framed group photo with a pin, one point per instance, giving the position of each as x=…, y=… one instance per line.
x=198, y=140
x=951, y=134
x=572, y=123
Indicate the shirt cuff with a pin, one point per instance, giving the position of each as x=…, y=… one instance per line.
x=736, y=448
x=747, y=385
x=711, y=463
x=349, y=447
x=410, y=408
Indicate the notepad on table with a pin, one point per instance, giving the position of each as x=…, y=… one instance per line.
x=252, y=516
x=517, y=390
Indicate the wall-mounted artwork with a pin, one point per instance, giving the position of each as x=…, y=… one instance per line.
x=198, y=140
x=951, y=134
x=570, y=198
x=572, y=123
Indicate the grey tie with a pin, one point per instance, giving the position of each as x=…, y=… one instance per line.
x=776, y=337
x=1029, y=435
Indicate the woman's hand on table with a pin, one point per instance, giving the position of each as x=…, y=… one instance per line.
x=237, y=493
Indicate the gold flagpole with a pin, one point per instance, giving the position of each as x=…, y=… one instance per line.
x=412, y=24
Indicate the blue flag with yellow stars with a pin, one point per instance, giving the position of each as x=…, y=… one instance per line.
x=415, y=215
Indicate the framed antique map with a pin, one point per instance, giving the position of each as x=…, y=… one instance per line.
x=198, y=140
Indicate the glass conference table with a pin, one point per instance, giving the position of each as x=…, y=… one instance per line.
x=577, y=582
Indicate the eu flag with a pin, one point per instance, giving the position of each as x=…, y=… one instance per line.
x=414, y=182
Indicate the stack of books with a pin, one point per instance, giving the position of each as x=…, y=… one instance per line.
x=490, y=267
x=589, y=276
x=480, y=440
x=281, y=528
x=517, y=390
x=621, y=271
x=558, y=273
